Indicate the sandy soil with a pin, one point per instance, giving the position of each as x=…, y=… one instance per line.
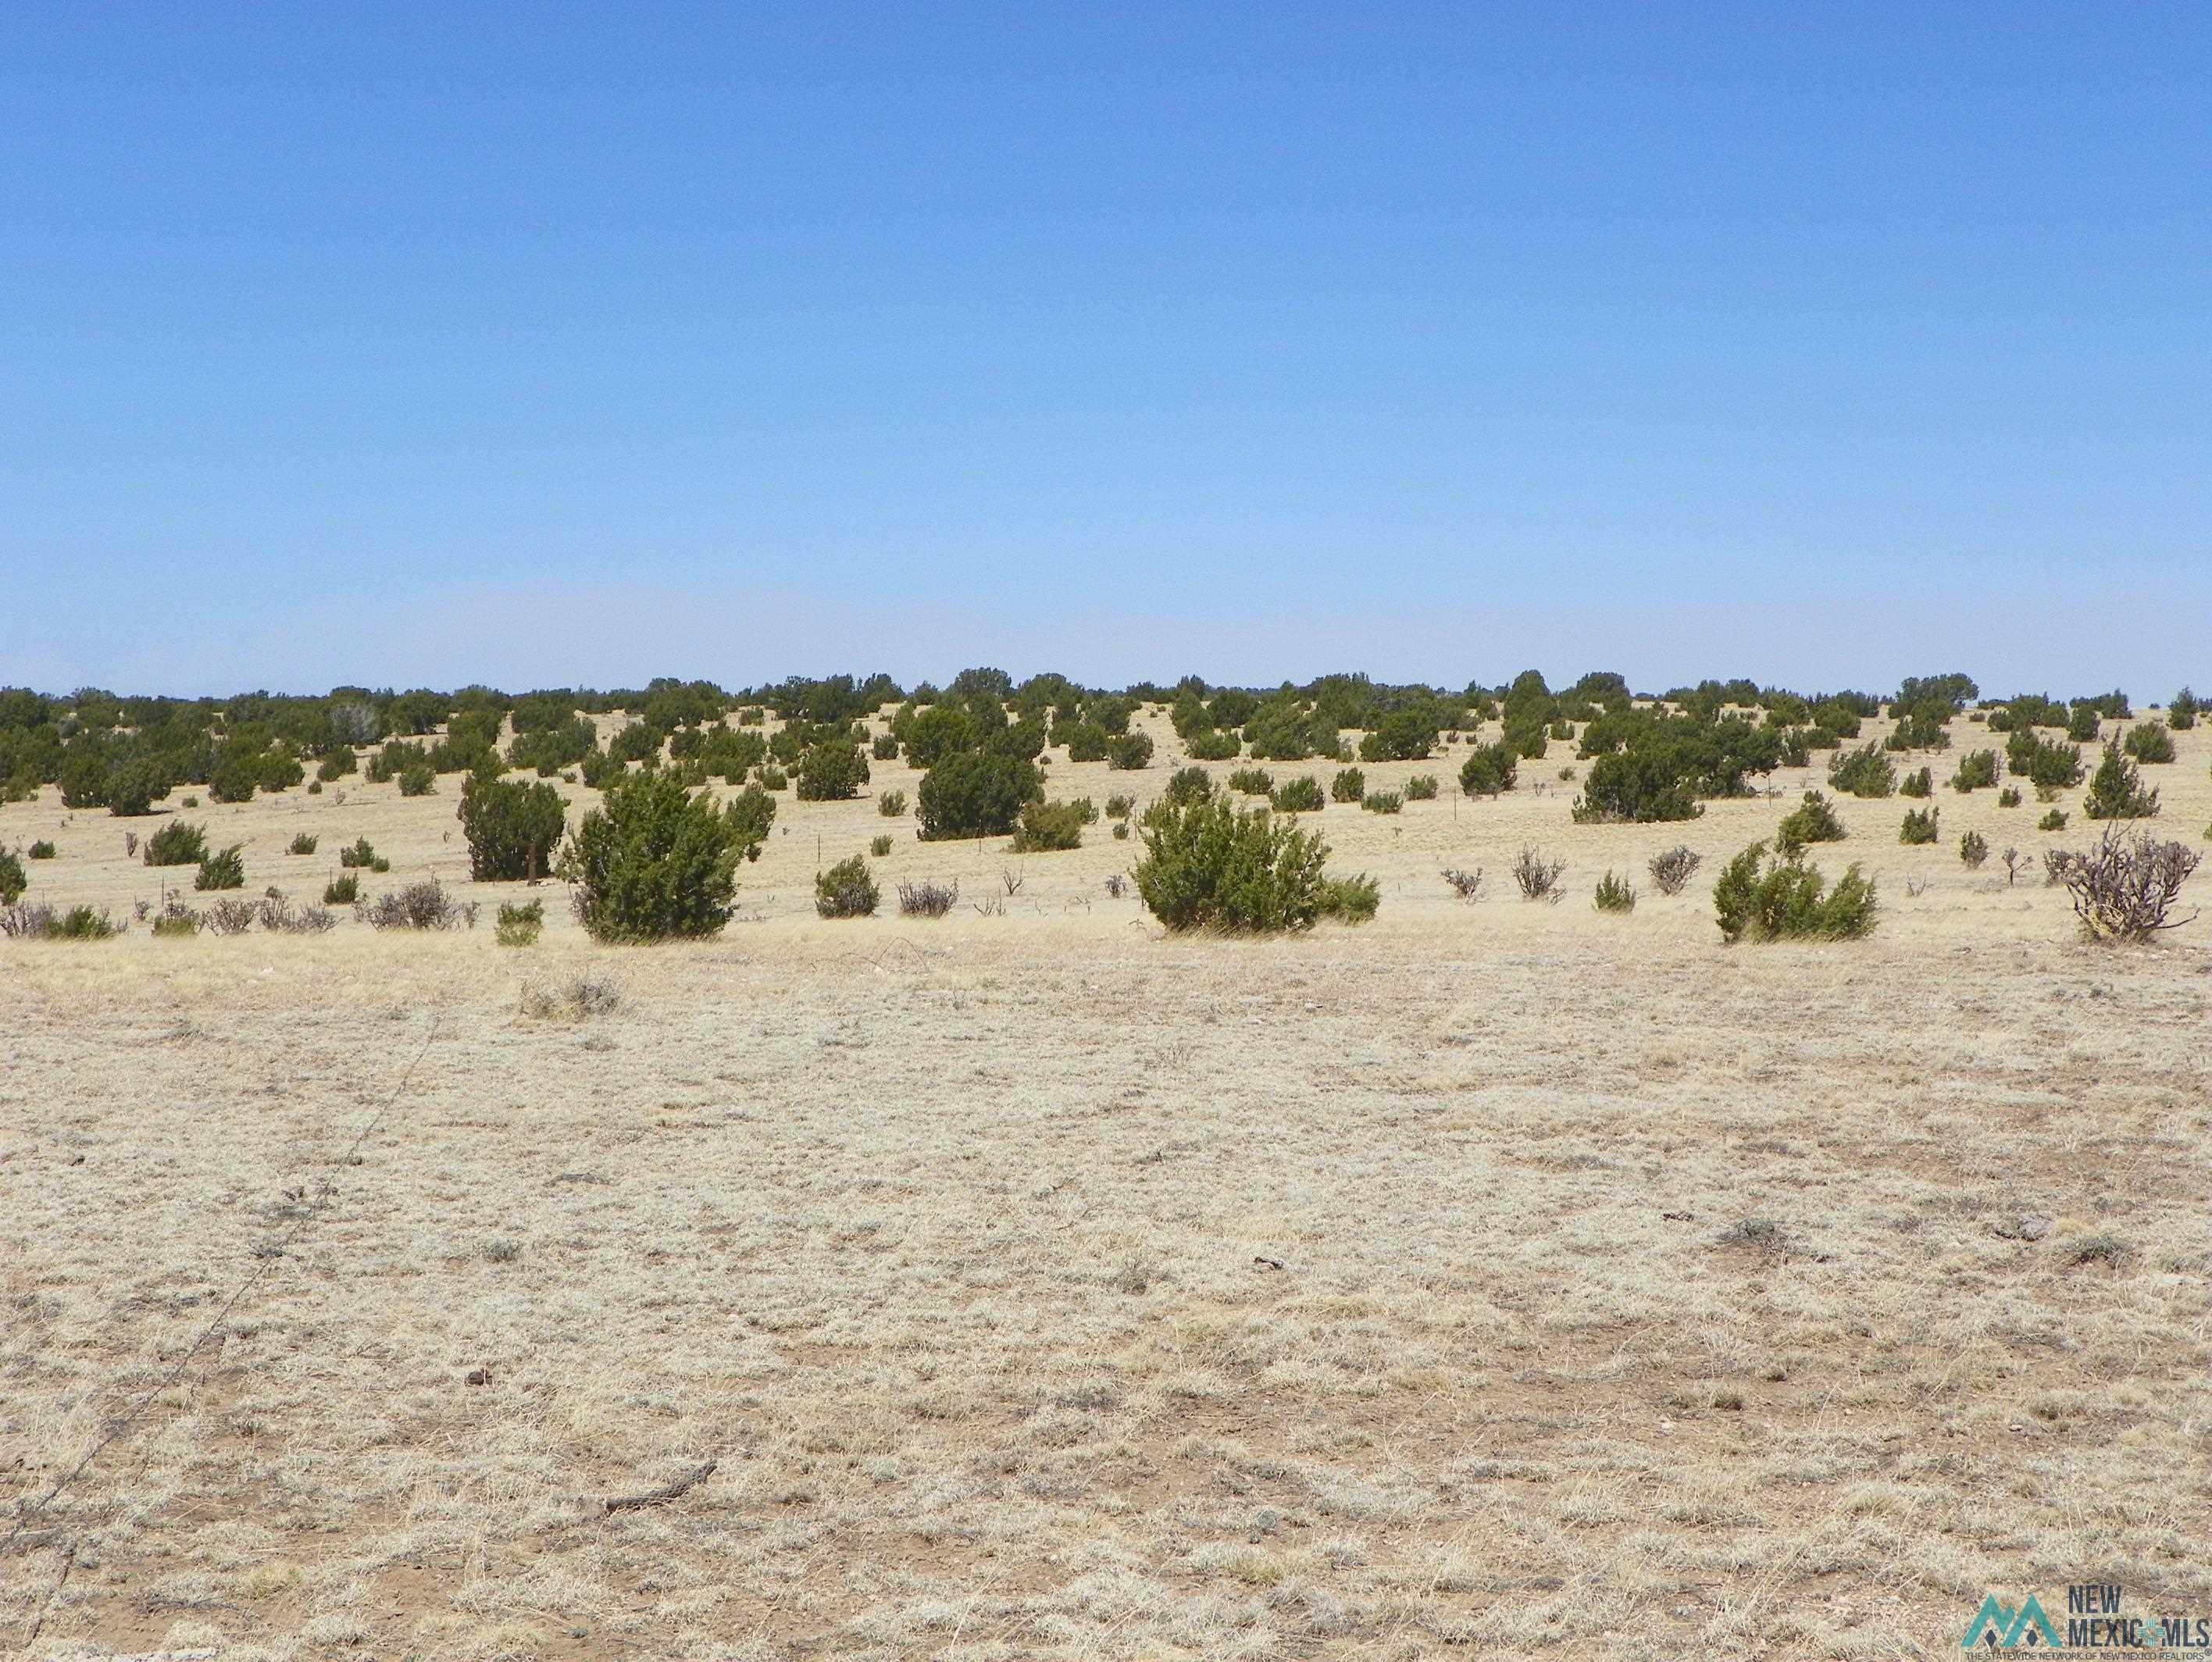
x=1501, y=1275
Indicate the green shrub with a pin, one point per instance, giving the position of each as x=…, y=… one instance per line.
x=513, y=831
x=974, y=793
x=892, y=804
x=1977, y=770
x=1086, y=741
x=1488, y=770
x=601, y=770
x=751, y=815
x=1209, y=865
x=1815, y=822
x=2008, y=797
x=1252, y=781
x=1129, y=750
x=1046, y=826
x=336, y=765
x=14, y=880
x=302, y=843
x=1790, y=901
x=847, y=890
x=236, y=775
x=190, y=801
x=884, y=748
x=1352, y=899
x=1407, y=735
x=1213, y=744
x=832, y=771
x=1382, y=802
x=2181, y=714
x=1921, y=784
x=520, y=926
x=652, y=862
x=638, y=741
x=41, y=849
x=774, y=778
x=177, y=843
x=939, y=732
x=1188, y=784
x=2053, y=821
x=82, y=923
x=1422, y=787
x=2148, y=742
x=1302, y=795
x=1614, y=894
x=1642, y=783
x=880, y=846
x=360, y=854
x=1865, y=771
x=1118, y=807
x=43, y=923
x=1349, y=785
x=1973, y=849
x=2083, y=726
x=1922, y=728
x=1919, y=825
x=2046, y=763
x=2116, y=790
x=226, y=870
x=342, y=890
x=280, y=771
x=1120, y=830
x=419, y=780
x=134, y=786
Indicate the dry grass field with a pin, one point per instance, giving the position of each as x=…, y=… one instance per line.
x=1497, y=1277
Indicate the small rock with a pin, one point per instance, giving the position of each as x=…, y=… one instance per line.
x=479, y=1376
x=2026, y=1226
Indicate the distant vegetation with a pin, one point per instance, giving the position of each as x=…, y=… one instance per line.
x=687, y=774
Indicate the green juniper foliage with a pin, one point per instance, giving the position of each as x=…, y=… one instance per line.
x=513, y=830
x=2116, y=790
x=653, y=862
x=1815, y=820
x=226, y=870
x=1788, y=899
x=847, y=890
x=177, y=843
x=520, y=926
x=1208, y=865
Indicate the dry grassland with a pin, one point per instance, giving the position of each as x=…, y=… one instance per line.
x=1498, y=1276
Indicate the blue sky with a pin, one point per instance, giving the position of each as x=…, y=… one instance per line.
x=548, y=345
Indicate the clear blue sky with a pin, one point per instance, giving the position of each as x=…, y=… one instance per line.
x=546, y=344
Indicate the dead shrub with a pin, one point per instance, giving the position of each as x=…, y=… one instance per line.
x=928, y=899
x=1673, y=870
x=2124, y=887
x=419, y=906
x=579, y=1000
x=1538, y=878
